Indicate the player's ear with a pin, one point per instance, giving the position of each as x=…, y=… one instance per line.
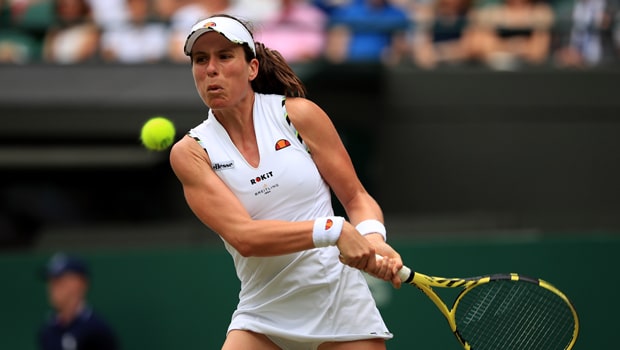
x=253, y=69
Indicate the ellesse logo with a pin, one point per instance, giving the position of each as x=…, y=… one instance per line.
x=223, y=165
x=282, y=143
x=328, y=224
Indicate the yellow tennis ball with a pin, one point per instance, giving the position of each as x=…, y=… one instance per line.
x=157, y=133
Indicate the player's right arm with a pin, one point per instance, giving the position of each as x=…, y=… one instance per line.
x=217, y=207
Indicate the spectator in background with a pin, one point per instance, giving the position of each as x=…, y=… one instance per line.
x=328, y=6
x=74, y=38
x=23, y=24
x=585, y=46
x=74, y=324
x=442, y=34
x=297, y=31
x=367, y=31
x=138, y=40
x=513, y=33
x=164, y=9
x=184, y=17
x=108, y=13
x=255, y=11
x=16, y=46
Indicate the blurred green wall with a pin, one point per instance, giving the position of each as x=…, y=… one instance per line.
x=182, y=298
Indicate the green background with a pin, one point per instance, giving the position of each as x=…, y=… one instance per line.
x=182, y=298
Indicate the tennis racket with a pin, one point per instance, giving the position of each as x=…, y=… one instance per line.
x=503, y=311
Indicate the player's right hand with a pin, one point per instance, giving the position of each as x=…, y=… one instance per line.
x=355, y=250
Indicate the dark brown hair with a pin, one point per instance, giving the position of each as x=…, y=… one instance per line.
x=275, y=75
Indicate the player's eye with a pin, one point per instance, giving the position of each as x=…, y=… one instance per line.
x=200, y=59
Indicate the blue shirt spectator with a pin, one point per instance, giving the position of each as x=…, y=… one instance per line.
x=86, y=332
x=73, y=325
x=367, y=30
x=328, y=6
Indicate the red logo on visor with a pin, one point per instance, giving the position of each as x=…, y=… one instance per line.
x=209, y=24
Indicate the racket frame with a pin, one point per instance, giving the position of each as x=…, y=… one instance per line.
x=426, y=283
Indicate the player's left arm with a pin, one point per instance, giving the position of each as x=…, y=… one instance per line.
x=336, y=167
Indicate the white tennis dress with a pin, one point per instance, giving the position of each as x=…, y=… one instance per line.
x=307, y=296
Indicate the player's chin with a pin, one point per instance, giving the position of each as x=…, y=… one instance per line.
x=216, y=103
x=214, y=99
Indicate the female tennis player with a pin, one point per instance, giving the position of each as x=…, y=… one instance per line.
x=258, y=171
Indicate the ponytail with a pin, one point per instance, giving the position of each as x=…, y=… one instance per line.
x=275, y=76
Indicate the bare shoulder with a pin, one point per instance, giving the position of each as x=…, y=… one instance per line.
x=314, y=125
x=304, y=113
x=187, y=156
x=181, y=148
x=300, y=105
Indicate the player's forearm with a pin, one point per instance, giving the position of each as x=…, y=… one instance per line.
x=269, y=237
x=363, y=207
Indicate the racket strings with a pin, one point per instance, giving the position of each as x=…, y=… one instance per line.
x=511, y=315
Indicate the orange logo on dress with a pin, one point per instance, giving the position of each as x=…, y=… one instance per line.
x=209, y=24
x=328, y=224
x=282, y=143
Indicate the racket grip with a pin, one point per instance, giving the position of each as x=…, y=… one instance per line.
x=404, y=273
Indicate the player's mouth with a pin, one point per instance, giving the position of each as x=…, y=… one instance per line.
x=214, y=88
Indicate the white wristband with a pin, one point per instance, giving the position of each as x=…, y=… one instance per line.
x=371, y=226
x=326, y=230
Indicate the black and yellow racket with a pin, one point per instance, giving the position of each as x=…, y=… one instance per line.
x=503, y=311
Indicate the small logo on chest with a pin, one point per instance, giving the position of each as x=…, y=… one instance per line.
x=223, y=165
x=262, y=177
x=282, y=143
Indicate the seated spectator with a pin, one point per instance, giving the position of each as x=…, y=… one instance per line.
x=17, y=47
x=23, y=25
x=165, y=8
x=513, y=33
x=585, y=46
x=184, y=17
x=367, y=31
x=108, y=13
x=442, y=34
x=329, y=6
x=138, y=40
x=254, y=11
x=74, y=38
x=297, y=31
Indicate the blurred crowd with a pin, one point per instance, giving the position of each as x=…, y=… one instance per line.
x=502, y=34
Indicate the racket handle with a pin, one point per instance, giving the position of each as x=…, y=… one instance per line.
x=405, y=274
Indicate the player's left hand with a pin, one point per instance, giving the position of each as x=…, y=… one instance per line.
x=386, y=268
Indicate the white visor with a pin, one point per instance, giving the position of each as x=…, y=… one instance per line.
x=232, y=29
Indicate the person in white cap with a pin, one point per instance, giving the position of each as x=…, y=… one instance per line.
x=258, y=171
